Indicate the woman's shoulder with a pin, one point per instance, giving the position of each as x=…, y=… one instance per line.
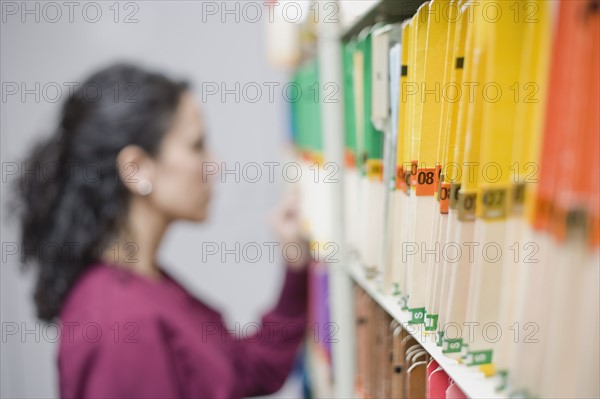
x=107, y=310
x=105, y=293
x=113, y=296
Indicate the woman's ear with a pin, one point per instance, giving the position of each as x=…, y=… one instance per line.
x=136, y=169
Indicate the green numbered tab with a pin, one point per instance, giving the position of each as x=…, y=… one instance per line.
x=503, y=384
x=431, y=322
x=440, y=338
x=464, y=351
x=404, y=302
x=417, y=316
x=476, y=358
x=453, y=345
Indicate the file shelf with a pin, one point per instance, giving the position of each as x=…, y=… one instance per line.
x=383, y=143
x=472, y=382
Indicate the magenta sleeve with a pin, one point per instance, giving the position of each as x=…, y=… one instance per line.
x=265, y=359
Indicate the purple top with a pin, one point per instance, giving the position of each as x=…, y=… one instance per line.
x=126, y=336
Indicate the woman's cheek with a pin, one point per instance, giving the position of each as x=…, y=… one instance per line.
x=187, y=187
x=175, y=183
x=198, y=183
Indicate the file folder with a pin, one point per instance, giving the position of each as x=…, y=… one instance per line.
x=526, y=152
x=435, y=271
x=461, y=207
x=498, y=113
x=418, y=207
x=400, y=196
x=391, y=219
x=449, y=176
x=352, y=161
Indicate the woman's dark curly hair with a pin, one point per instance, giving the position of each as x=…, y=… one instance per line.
x=75, y=202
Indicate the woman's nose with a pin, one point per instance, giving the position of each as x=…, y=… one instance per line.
x=211, y=166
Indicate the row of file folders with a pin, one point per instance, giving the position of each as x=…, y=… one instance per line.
x=471, y=180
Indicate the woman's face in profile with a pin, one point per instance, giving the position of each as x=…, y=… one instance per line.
x=181, y=184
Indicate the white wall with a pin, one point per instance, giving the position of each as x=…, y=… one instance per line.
x=172, y=37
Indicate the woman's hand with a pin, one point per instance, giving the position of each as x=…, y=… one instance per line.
x=285, y=221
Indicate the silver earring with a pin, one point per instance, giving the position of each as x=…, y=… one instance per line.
x=145, y=187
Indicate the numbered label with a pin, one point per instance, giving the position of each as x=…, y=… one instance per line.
x=431, y=322
x=404, y=302
x=438, y=177
x=493, y=204
x=518, y=194
x=444, y=197
x=414, y=168
x=375, y=169
x=350, y=159
x=407, y=177
x=454, y=345
x=466, y=206
x=454, y=190
x=425, y=186
x=417, y=316
x=440, y=338
x=400, y=182
x=476, y=358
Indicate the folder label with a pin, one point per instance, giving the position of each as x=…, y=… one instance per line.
x=404, y=302
x=431, y=322
x=444, y=197
x=400, y=178
x=453, y=345
x=476, y=358
x=466, y=206
x=407, y=180
x=464, y=351
x=350, y=159
x=425, y=182
x=417, y=316
x=414, y=169
x=437, y=180
x=454, y=190
x=440, y=338
x=494, y=203
x=543, y=209
x=375, y=169
x=518, y=199
x=503, y=375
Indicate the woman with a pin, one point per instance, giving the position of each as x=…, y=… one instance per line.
x=125, y=162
